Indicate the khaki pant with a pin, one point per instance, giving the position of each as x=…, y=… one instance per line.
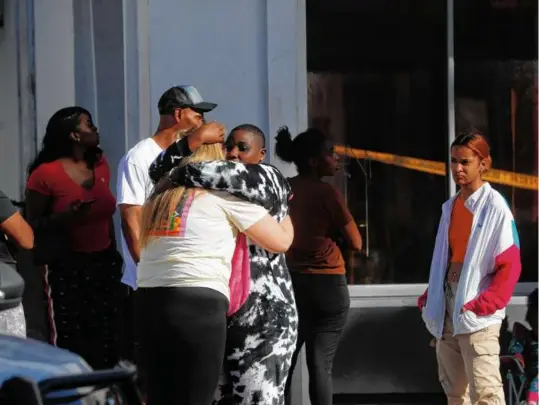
x=469, y=366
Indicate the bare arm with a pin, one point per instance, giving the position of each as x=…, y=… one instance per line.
x=241, y=180
x=172, y=157
x=352, y=236
x=271, y=235
x=131, y=216
x=131, y=195
x=342, y=219
x=19, y=231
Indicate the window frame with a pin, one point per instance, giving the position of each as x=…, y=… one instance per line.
x=391, y=295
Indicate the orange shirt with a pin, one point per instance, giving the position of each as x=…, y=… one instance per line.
x=318, y=212
x=459, y=231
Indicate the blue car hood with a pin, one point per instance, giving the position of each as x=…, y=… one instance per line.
x=36, y=360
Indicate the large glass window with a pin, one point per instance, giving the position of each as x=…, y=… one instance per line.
x=496, y=92
x=377, y=80
x=377, y=85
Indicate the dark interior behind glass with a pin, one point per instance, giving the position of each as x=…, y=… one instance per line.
x=377, y=81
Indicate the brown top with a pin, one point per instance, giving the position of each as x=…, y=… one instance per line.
x=318, y=212
x=459, y=233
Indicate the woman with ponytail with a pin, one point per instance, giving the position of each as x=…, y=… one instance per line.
x=316, y=263
x=475, y=267
x=70, y=206
x=188, y=238
x=261, y=333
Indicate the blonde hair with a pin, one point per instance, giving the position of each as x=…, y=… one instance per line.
x=157, y=210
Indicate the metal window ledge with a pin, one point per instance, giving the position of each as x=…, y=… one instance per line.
x=405, y=295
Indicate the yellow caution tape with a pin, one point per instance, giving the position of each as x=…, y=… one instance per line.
x=504, y=177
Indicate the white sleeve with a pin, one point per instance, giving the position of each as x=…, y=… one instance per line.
x=241, y=213
x=131, y=183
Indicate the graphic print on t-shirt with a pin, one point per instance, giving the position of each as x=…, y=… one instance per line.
x=175, y=224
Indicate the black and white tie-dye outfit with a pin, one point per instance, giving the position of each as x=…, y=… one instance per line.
x=262, y=334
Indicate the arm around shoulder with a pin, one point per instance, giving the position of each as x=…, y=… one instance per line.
x=130, y=216
x=18, y=230
x=258, y=225
x=13, y=224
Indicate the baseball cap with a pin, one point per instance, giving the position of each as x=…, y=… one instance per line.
x=183, y=97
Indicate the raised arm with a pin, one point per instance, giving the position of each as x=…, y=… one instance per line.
x=172, y=157
x=130, y=197
x=342, y=219
x=258, y=183
x=261, y=228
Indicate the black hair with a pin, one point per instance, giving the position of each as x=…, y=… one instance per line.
x=307, y=145
x=253, y=129
x=171, y=99
x=57, y=142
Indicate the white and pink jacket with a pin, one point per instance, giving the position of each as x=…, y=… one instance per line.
x=490, y=270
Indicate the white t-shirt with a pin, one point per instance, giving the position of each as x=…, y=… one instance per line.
x=134, y=187
x=195, y=246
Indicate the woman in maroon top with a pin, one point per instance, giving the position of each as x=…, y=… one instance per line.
x=70, y=206
x=319, y=215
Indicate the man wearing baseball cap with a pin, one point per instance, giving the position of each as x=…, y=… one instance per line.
x=181, y=109
x=181, y=98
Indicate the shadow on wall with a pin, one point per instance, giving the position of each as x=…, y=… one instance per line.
x=383, y=351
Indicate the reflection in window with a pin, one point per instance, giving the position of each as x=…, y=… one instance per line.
x=384, y=90
x=400, y=113
x=377, y=82
x=496, y=92
x=507, y=93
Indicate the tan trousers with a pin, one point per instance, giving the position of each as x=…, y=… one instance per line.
x=469, y=366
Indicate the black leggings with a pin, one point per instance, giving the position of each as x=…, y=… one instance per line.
x=323, y=302
x=182, y=334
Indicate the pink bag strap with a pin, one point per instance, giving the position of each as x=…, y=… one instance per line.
x=240, y=277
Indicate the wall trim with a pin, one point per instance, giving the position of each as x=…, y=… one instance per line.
x=144, y=89
x=28, y=144
x=287, y=71
x=54, y=59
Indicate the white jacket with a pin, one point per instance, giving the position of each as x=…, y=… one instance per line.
x=490, y=270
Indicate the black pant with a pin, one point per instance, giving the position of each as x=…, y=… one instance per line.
x=323, y=302
x=182, y=334
x=84, y=304
x=128, y=328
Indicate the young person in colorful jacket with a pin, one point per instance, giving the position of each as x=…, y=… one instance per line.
x=474, y=270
